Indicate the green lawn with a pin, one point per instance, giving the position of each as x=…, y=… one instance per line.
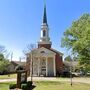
x=52, y=85
x=5, y=86
x=43, y=85
x=8, y=76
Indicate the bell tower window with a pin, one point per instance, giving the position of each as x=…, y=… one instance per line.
x=44, y=33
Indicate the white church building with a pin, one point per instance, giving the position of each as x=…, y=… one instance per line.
x=44, y=60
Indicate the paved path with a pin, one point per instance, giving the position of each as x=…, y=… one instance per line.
x=79, y=80
x=7, y=80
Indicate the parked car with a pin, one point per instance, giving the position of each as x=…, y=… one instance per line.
x=67, y=74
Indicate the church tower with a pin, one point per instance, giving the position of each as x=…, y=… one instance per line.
x=44, y=39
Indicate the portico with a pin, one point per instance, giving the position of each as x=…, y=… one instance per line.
x=44, y=63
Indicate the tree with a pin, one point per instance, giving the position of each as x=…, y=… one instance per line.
x=68, y=58
x=3, y=61
x=29, y=51
x=1, y=57
x=29, y=48
x=3, y=64
x=77, y=39
x=2, y=49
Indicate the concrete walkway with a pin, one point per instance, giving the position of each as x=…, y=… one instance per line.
x=7, y=80
x=79, y=80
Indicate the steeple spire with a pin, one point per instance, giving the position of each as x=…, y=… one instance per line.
x=44, y=39
x=45, y=15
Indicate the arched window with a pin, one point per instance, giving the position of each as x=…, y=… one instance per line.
x=44, y=33
x=42, y=51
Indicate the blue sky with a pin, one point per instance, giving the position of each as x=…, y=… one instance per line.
x=20, y=21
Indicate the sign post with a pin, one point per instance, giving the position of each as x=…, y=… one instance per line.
x=21, y=77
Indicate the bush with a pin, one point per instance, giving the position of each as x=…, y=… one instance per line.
x=29, y=83
x=12, y=86
x=24, y=86
x=65, y=74
x=24, y=82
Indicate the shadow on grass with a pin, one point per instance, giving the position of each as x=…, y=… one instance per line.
x=32, y=87
x=49, y=82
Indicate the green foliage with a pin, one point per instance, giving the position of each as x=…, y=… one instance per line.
x=1, y=57
x=86, y=68
x=12, y=86
x=29, y=83
x=77, y=39
x=24, y=86
x=68, y=58
x=3, y=63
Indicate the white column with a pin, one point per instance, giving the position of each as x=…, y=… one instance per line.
x=38, y=66
x=54, y=66
x=46, y=66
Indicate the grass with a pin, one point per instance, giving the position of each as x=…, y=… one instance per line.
x=52, y=85
x=8, y=76
x=5, y=85
x=47, y=85
x=75, y=78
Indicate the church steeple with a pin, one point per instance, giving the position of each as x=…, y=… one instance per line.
x=45, y=15
x=44, y=39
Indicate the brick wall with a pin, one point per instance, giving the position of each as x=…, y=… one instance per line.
x=59, y=63
x=48, y=46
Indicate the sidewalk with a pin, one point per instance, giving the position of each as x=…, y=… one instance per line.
x=7, y=80
x=79, y=80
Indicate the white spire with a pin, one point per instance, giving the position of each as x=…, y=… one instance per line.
x=44, y=39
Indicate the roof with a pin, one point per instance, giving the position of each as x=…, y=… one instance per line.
x=18, y=63
x=54, y=50
x=67, y=63
x=45, y=16
x=43, y=49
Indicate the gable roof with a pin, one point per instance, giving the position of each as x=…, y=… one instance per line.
x=43, y=49
x=67, y=63
x=18, y=63
x=54, y=50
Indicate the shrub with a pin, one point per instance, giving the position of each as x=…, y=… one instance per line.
x=29, y=83
x=12, y=86
x=24, y=82
x=24, y=86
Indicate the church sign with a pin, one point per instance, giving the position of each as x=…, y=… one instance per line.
x=21, y=77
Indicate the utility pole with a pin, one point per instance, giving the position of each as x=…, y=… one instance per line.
x=71, y=72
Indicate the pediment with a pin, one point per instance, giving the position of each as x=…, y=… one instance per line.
x=43, y=50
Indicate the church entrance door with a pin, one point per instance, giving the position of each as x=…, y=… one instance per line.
x=43, y=67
